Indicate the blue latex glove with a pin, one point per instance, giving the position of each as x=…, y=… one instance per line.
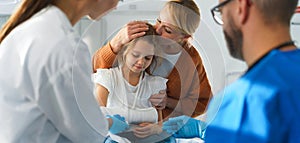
x=184, y=127
x=118, y=125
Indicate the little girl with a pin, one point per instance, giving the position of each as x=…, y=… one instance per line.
x=125, y=89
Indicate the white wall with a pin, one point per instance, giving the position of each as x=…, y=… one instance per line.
x=7, y=6
x=295, y=27
x=221, y=68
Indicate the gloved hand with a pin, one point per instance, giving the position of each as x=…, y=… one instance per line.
x=184, y=127
x=118, y=125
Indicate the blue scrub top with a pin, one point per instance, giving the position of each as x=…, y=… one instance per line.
x=263, y=106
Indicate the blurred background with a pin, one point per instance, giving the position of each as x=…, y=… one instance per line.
x=208, y=39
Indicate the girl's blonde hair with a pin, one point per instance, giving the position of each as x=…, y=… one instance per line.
x=150, y=37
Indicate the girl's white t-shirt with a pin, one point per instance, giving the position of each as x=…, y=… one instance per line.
x=129, y=101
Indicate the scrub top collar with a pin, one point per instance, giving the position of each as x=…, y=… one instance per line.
x=285, y=44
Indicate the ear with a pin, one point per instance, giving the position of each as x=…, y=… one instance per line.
x=243, y=10
x=186, y=38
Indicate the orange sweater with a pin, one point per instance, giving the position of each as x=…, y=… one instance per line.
x=188, y=89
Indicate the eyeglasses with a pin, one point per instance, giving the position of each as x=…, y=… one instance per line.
x=217, y=12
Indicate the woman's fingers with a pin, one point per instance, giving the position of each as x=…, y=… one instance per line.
x=159, y=100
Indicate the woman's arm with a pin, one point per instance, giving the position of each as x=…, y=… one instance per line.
x=103, y=58
x=198, y=95
x=188, y=88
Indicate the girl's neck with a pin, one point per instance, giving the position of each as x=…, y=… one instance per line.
x=131, y=77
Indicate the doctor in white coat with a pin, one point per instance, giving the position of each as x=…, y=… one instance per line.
x=45, y=76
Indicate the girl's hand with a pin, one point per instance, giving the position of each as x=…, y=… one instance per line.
x=147, y=129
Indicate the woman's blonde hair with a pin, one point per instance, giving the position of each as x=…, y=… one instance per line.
x=185, y=14
x=150, y=37
x=26, y=10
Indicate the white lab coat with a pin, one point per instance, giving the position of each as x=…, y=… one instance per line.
x=45, y=84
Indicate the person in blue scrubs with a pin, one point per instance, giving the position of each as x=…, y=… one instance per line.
x=261, y=106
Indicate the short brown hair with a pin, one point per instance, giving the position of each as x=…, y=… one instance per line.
x=276, y=10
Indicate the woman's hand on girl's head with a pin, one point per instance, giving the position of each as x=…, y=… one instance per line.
x=129, y=32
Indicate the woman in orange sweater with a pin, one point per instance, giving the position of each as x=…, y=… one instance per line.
x=188, y=88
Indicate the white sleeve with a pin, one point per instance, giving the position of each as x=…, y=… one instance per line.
x=62, y=109
x=104, y=78
x=69, y=102
x=158, y=83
